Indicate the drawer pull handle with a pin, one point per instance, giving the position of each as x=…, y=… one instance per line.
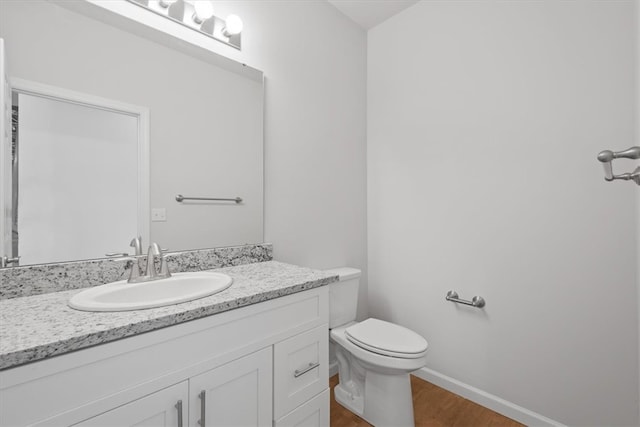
x=202, y=397
x=311, y=366
x=179, y=408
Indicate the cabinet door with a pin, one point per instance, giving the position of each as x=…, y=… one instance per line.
x=163, y=408
x=314, y=413
x=238, y=393
x=300, y=369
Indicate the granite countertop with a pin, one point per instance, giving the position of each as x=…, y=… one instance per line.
x=36, y=327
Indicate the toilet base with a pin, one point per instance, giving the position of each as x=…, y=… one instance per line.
x=385, y=402
x=349, y=400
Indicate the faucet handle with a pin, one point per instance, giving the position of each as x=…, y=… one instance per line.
x=5, y=261
x=116, y=254
x=134, y=273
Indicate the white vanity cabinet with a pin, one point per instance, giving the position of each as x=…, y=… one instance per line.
x=310, y=414
x=300, y=369
x=164, y=408
x=261, y=365
x=238, y=393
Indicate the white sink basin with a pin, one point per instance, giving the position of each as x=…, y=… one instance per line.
x=123, y=296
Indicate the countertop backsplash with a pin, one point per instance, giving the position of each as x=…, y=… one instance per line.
x=46, y=278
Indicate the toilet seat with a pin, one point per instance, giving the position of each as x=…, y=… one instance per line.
x=387, y=339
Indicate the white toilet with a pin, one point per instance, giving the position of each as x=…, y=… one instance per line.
x=374, y=358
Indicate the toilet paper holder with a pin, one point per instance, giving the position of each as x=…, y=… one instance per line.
x=476, y=301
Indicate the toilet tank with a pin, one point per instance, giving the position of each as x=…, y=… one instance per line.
x=343, y=296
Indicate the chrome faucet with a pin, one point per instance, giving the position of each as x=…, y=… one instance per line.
x=152, y=273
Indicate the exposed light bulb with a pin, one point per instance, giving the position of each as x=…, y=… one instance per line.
x=203, y=10
x=167, y=3
x=233, y=26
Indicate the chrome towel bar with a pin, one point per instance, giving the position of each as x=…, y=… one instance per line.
x=180, y=198
x=476, y=301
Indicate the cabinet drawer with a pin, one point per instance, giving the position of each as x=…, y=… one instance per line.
x=314, y=413
x=300, y=366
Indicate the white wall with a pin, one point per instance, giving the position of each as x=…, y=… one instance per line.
x=314, y=62
x=637, y=142
x=484, y=122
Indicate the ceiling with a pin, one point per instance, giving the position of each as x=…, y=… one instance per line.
x=369, y=13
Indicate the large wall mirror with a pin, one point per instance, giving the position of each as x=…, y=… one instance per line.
x=79, y=165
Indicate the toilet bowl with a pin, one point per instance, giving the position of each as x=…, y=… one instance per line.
x=374, y=358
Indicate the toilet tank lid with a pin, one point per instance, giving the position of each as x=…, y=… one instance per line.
x=345, y=273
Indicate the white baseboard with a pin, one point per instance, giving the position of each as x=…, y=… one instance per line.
x=485, y=399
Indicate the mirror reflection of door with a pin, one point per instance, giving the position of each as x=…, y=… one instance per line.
x=77, y=181
x=6, y=159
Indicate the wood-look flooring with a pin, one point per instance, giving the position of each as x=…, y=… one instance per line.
x=433, y=407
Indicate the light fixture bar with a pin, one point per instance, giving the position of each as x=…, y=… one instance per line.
x=186, y=14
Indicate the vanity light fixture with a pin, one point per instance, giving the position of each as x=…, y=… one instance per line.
x=233, y=26
x=202, y=10
x=199, y=16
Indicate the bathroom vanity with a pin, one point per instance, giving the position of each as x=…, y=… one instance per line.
x=254, y=354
